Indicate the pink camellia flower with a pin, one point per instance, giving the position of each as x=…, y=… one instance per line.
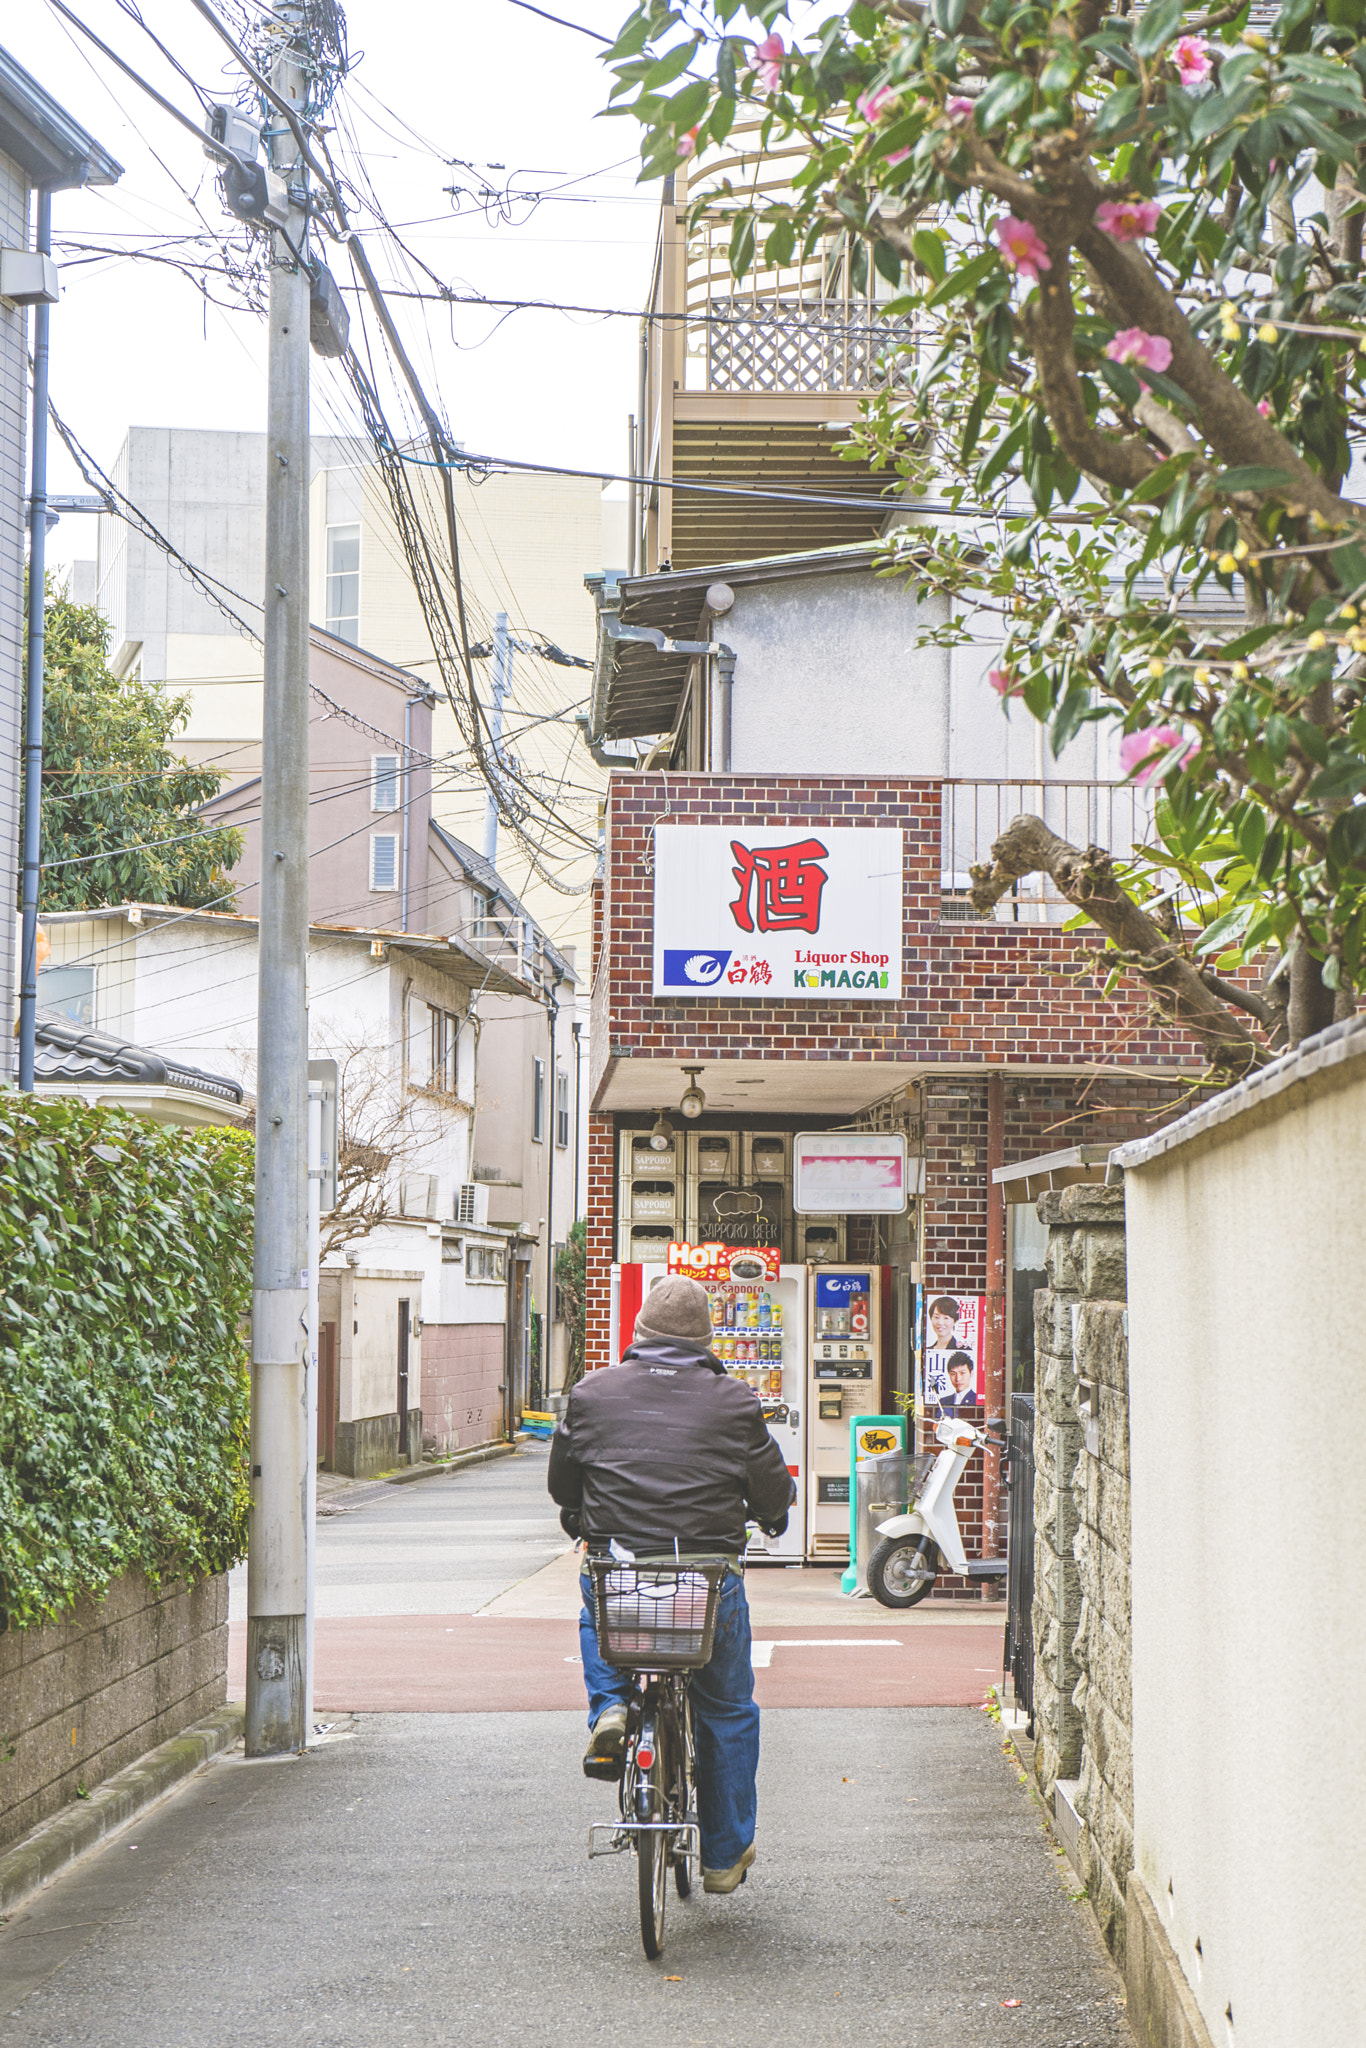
x=1264, y=408
x=1022, y=246
x=1145, y=756
x=687, y=144
x=1004, y=682
x=1132, y=345
x=1190, y=55
x=873, y=105
x=898, y=156
x=958, y=108
x=768, y=62
x=1128, y=220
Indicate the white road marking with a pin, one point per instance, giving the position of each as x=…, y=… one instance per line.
x=761, y=1654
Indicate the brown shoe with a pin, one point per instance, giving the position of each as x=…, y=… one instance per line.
x=728, y=1880
x=603, y=1756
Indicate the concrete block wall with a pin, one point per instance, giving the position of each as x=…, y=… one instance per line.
x=462, y=1365
x=84, y=1698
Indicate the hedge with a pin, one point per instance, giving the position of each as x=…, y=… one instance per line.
x=125, y=1285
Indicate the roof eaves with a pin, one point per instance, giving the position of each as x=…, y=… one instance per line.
x=40, y=136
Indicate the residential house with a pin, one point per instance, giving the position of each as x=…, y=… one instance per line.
x=41, y=150
x=426, y=978
x=525, y=545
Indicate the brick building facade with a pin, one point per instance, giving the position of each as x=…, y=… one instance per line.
x=1004, y=1038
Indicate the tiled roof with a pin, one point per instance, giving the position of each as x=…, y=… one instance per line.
x=69, y=1052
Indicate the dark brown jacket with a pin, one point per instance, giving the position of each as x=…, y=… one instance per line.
x=666, y=1447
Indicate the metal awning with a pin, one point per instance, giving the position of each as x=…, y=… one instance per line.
x=1030, y=1178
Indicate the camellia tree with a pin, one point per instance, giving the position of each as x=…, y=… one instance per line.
x=1130, y=243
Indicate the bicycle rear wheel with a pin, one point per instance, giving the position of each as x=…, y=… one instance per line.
x=652, y=1872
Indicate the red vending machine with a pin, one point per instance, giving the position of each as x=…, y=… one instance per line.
x=759, y=1334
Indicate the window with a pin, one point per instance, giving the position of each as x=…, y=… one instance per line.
x=384, y=860
x=485, y=1262
x=343, y=583
x=445, y=1050
x=538, y=1100
x=561, y=1108
x=384, y=784
x=69, y=991
x=465, y=1202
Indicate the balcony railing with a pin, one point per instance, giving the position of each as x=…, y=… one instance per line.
x=801, y=345
x=1114, y=815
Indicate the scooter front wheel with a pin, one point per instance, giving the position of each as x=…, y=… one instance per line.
x=902, y=1570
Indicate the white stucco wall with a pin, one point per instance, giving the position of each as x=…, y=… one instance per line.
x=1247, y=1303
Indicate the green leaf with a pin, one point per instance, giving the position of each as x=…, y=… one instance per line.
x=1117, y=112
x=964, y=278
x=1347, y=840
x=1155, y=27
x=1255, y=477
x=930, y=254
x=1006, y=94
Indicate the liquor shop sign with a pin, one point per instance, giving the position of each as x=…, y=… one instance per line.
x=807, y=914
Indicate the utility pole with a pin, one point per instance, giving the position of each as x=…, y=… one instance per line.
x=37, y=626
x=277, y=1558
x=502, y=686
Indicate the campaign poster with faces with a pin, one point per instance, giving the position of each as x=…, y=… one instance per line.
x=955, y=1334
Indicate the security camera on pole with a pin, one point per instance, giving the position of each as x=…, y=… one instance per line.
x=277, y=1562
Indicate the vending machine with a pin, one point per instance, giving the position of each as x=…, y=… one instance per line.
x=844, y=1306
x=759, y=1334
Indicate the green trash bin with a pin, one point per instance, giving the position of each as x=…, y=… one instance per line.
x=870, y=1436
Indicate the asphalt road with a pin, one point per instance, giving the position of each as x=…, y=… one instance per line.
x=424, y=1881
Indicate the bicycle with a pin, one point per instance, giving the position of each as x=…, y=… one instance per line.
x=657, y=1621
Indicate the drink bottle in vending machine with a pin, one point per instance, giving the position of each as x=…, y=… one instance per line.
x=759, y=1327
x=843, y=1381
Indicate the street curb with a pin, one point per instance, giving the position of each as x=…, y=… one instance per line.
x=455, y=1464
x=37, y=1859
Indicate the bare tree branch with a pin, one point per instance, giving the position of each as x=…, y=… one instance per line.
x=1087, y=879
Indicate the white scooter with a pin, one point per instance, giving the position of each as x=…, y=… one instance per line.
x=916, y=1546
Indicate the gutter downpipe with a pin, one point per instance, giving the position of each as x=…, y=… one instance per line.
x=576, y=1028
x=552, y=1011
x=725, y=681
x=407, y=801
x=37, y=627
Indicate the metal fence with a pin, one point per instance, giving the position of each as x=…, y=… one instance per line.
x=1114, y=815
x=1019, y=1648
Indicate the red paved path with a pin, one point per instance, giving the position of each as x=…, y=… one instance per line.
x=461, y=1663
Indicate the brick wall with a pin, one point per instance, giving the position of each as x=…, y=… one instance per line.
x=84, y=1698
x=975, y=992
x=977, y=996
x=462, y=1365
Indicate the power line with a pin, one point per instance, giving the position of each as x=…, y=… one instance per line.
x=560, y=22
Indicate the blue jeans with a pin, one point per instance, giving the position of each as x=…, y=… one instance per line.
x=726, y=1717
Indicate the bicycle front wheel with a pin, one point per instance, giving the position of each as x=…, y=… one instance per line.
x=652, y=1871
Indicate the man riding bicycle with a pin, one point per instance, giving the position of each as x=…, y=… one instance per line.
x=667, y=1456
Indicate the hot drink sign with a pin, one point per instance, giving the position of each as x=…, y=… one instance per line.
x=778, y=913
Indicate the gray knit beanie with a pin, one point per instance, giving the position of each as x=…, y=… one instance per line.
x=676, y=1308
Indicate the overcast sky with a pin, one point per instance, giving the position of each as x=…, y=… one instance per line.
x=514, y=98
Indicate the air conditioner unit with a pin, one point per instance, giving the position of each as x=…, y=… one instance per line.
x=28, y=278
x=417, y=1195
x=472, y=1205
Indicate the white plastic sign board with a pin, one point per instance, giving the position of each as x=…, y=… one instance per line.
x=849, y=1173
x=778, y=913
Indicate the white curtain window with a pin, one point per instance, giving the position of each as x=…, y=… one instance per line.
x=384, y=789
x=384, y=860
x=562, y=1109
x=538, y=1100
x=343, y=583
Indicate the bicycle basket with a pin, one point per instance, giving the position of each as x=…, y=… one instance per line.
x=924, y=1465
x=656, y=1617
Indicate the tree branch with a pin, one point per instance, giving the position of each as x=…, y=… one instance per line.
x=1087, y=880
